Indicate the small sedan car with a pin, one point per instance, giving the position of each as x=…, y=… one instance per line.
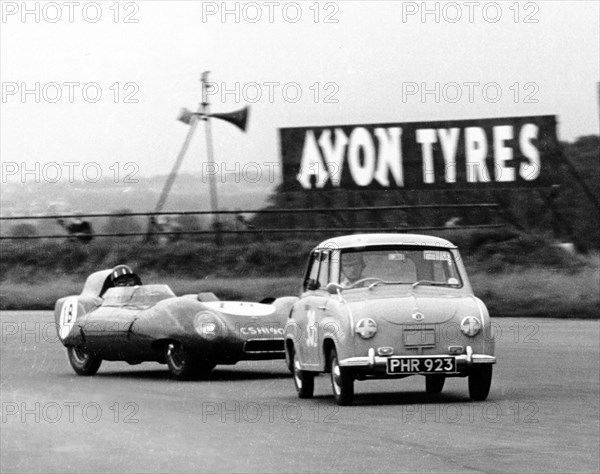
x=388, y=306
x=191, y=333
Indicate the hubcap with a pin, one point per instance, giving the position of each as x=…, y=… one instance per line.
x=176, y=356
x=80, y=355
x=297, y=377
x=336, y=377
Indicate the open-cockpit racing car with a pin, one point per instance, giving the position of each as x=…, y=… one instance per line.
x=191, y=333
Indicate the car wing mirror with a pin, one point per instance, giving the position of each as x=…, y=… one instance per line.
x=333, y=288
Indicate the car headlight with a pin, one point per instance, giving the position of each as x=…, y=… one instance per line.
x=470, y=326
x=208, y=325
x=366, y=328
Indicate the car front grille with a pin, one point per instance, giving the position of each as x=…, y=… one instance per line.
x=263, y=345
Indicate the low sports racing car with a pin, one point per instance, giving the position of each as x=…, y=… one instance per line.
x=388, y=306
x=191, y=333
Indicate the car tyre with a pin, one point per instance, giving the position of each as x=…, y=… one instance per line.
x=480, y=380
x=434, y=384
x=183, y=365
x=303, y=380
x=82, y=361
x=342, y=381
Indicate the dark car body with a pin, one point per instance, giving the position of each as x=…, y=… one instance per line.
x=191, y=333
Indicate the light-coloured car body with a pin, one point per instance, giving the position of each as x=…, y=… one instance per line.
x=413, y=312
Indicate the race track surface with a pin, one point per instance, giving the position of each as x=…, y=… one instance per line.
x=542, y=414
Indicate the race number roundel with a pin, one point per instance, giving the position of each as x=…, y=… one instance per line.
x=68, y=315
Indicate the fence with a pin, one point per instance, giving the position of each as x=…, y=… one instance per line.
x=267, y=228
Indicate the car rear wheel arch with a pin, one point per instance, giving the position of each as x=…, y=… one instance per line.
x=161, y=345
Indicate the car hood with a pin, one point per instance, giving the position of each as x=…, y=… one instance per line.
x=241, y=308
x=411, y=306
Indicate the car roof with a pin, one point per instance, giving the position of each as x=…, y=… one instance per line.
x=364, y=240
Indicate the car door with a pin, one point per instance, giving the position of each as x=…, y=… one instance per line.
x=314, y=304
x=107, y=329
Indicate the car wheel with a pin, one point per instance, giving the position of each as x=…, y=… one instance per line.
x=182, y=364
x=434, y=383
x=342, y=381
x=303, y=380
x=480, y=380
x=83, y=362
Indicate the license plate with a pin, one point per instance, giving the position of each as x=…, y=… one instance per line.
x=421, y=365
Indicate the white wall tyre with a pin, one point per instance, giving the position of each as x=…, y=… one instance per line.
x=303, y=380
x=342, y=382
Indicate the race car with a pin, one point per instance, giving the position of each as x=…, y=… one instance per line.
x=388, y=306
x=117, y=318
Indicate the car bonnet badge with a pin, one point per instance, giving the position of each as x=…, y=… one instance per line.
x=418, y=316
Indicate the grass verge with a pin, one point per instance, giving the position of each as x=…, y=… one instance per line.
x=43, y=295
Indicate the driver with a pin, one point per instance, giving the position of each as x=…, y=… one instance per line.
x=352, y=266
x=122, y=275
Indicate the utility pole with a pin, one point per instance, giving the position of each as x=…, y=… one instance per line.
x=193, y=123
x=212, y=178
x=238, y=118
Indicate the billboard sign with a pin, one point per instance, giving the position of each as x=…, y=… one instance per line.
x=458, y=154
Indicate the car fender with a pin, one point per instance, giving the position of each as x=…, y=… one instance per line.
x=337, y=331
x=68, y=310
x=168, y=319
x=488, y=330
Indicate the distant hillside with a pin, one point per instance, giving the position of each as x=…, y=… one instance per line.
x=189, y=193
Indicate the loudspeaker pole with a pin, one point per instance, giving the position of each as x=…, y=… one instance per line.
x=212, y=178
x=193, y=123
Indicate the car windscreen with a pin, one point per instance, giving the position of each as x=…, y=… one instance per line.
x=401, y=265
x=143, y=295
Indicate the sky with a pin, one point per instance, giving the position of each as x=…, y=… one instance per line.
x=96, y=87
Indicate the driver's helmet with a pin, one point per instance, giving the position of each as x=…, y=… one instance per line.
x=122, y=275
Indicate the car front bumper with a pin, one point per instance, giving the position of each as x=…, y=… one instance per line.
x=373, y=361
